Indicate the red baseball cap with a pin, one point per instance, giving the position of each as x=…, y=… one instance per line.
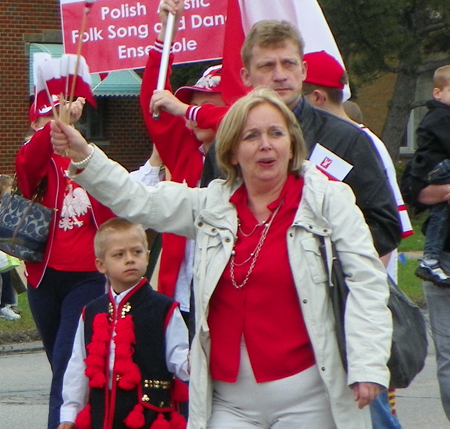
x=324, y=70
x=209, y=82
x=44, y=107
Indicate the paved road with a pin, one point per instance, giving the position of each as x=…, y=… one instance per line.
x=419, y=406
x=25, y=379
x=24, y=386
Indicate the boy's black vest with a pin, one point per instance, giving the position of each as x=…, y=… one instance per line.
x=150, y=313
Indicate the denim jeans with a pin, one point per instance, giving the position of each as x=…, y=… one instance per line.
x=8, y=295
x=438, y=304
x=381, y=413
x=438, y=218
x=437, y=230
x=56, y=306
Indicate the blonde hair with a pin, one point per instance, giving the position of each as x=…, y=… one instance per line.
x=115, y=225
x=270, y=33
x=5, y=182
x=441, y=77
x=230, y=131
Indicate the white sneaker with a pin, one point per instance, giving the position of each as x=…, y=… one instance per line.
x=8, y=314
x=433, y=273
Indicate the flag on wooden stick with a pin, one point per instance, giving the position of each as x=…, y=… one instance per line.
x=53, y=79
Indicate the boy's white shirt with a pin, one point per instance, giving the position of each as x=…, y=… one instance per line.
x=75, y=383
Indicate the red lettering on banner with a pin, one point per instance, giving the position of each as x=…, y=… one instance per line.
x=120, y=33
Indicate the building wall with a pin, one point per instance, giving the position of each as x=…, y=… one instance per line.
x=373, y=101
x=126, y=132
x=18, y=21
x=38, y=21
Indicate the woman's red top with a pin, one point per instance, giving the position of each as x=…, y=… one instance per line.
x=266, y=310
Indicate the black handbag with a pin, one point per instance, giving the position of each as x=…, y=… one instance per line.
x=409, y=338
x=24, y=225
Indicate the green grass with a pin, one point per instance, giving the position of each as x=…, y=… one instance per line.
x=414, y=242
x=21, y=330
x=407, y=281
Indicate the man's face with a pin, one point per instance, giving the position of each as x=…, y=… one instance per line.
x=279, y=68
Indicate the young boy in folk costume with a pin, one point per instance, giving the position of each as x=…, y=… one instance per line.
x=129, y=345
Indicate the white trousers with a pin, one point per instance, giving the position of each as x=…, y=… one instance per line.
x=296, y=402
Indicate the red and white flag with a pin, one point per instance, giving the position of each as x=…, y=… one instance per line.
x=88, y=4
x=306, y=15
x=54, y=76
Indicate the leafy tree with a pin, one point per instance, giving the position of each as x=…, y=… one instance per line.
x=406, y=37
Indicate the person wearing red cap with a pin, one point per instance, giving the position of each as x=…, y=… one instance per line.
x=182, y=134
x=323, y=88
x=273, y=56
x=67, y=279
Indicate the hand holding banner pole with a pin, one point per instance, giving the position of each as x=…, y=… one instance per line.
x=87, y=8
x=165, y=56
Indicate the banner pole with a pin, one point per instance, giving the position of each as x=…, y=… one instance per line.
x=77, y=63
x=165, y=56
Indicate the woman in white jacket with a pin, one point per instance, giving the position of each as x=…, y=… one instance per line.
x=265, y=353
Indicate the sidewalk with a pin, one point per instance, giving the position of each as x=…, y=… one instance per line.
x=416, y=255
x=419, y=405
x=28, y=347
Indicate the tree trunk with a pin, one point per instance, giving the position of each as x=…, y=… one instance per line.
x=399, y=110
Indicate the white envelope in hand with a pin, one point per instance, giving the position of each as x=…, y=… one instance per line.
x=330, y=163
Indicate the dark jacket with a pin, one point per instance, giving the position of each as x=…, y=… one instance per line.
x=433, y=146
x=150, y=312
x=367, y=178
x=432, y=138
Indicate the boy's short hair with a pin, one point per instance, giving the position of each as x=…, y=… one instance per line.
x=270, y=33
x=441, y=77
x=117, y=224
x=335, y=95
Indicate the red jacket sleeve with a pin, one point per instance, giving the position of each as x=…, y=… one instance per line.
x=177, y=146
x=33, y=161
x=207, y=116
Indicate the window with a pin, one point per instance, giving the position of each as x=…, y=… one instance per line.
x=91, y=124
x=423, y=92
